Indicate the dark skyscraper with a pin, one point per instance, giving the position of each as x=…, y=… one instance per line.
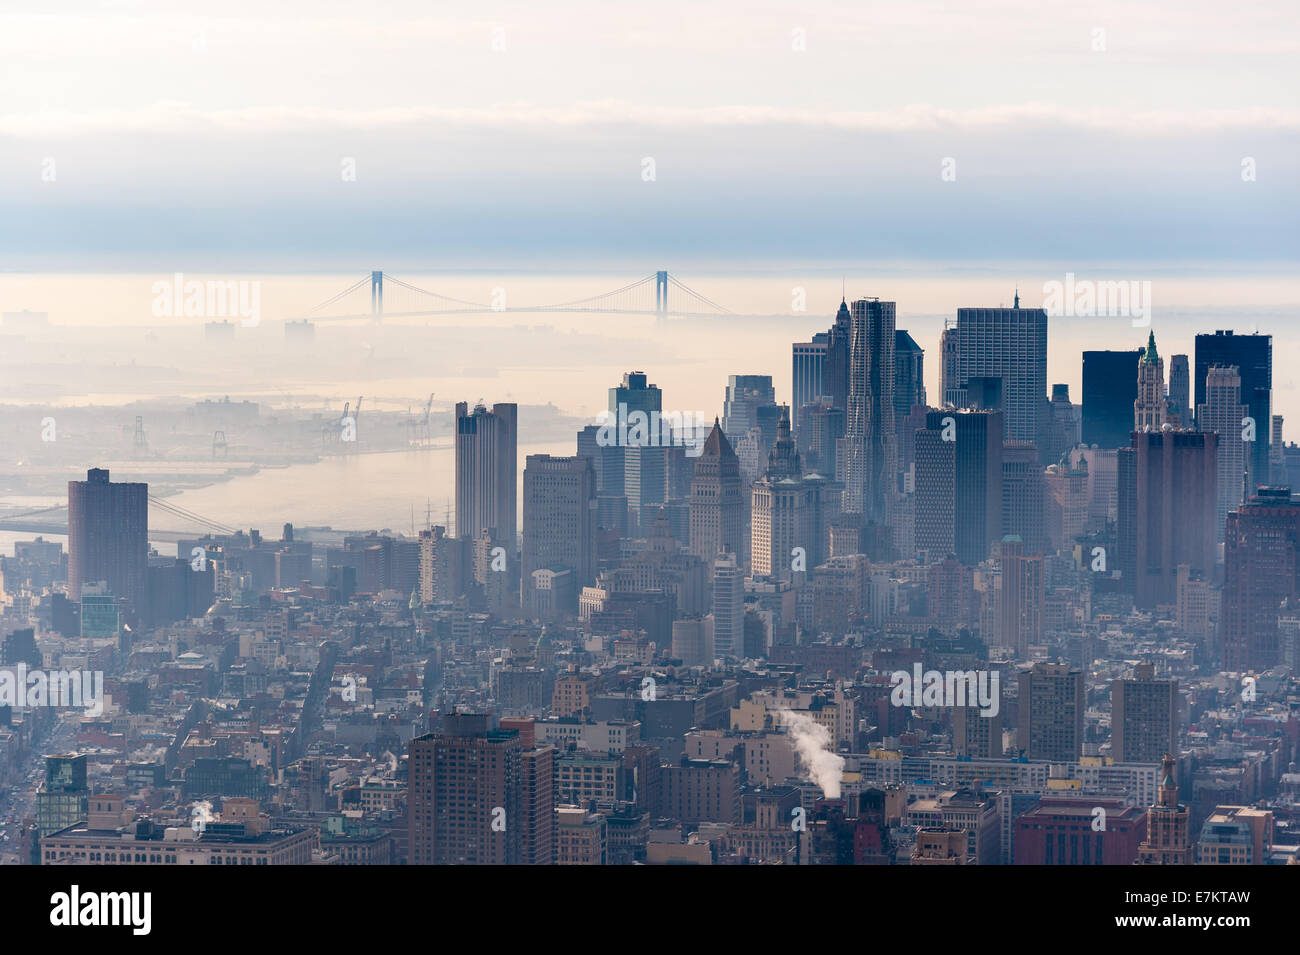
x=487, y=472
x=1109, y=391
x=1168, y=493
x=1261, y=571
x=1180, y=390
x=870, y=442
x=1253, y=357
x=959, y=484
x=909, y=377
x=108, y=537
x=836, y=381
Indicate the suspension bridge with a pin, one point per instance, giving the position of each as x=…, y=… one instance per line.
x=390, y=297
x=54, y=520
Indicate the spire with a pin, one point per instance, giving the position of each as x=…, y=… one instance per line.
x=1151, y=356
x=1017, y=305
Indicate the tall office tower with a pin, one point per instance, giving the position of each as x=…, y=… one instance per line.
x=1050, y=707
x=1168, y=840
x=1022, y=592
x=1252, y=355
x=1024, y=496
x=636, y=468
x=745, y=395
x=1011, y=344
x=728, y=606
x=1064, y=425
x=487, y=468
x=717, y=502
x=1168, y=496
x=909, y=377
x=783, y=511
x=1222, y=413
x=1143, y=717
x=976, y=735
x=1180, y=391
x=1150, y=404
x=869, y=438
x=1261, y=553
x=1277, y=475
x=1109, y=391
x=809, y=380
x=478, y=797
x=958, y=476
x=838, y=340
x=108, y=537
x=559, y=525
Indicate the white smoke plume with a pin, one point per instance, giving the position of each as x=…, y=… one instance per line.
x=812, y=744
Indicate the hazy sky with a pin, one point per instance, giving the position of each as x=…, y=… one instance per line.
x=510, y=135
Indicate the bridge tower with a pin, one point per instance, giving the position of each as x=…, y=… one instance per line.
x=661, y=293
x=377, y=296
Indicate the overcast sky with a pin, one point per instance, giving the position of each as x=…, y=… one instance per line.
x=512, y=135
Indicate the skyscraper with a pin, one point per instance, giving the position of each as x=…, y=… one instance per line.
x=1024, y=496
x=809, y=374
x=1143, y=717
x=1150, y=404
x=1168, y=493
x=108, y=537
x=870, y=442
x=959, y=484
x=717, y=510
x=909, y=377
x=1020, y=598
x=1222, y=413
x=783, y=511
x=1180, y=391
x=1011, y=344
x=639, y=469
x=728, y=606
x=1252, y=356
x=1050, y=707
x=1261, y=550
x=559, y=524
x=487, y=467
x=477, y=797
x=745, y=396
x=836, y=384
x=1109, y=391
